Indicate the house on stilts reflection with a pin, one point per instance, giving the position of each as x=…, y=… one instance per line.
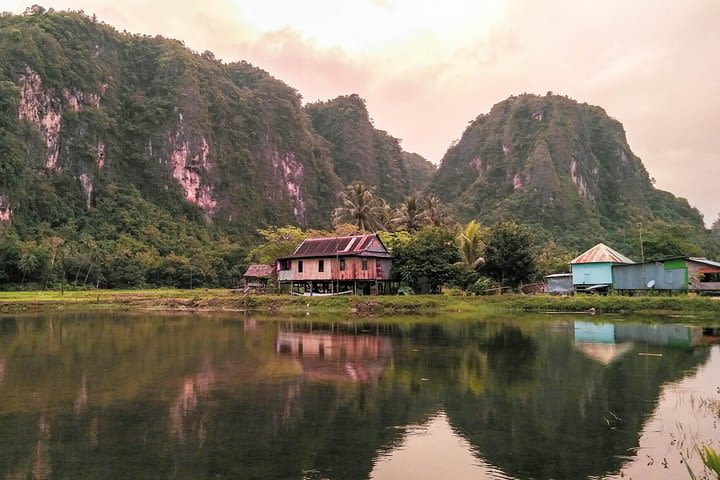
x=358, y=264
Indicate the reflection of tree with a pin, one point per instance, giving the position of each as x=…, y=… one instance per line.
x=574, y=420
x=511, y=356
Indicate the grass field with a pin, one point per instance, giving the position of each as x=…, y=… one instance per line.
x=229, y=300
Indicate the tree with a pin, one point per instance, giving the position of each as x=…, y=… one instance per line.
x=716, y=227
x=554, y=258
x=471, y=246
x=29, y=262
x=410, y=214
x=508, y=254
x=436, y=214
x=358, y=207
x=279, y=242
x=429, y=257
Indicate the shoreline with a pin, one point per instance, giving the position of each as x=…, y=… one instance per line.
x=220, y=300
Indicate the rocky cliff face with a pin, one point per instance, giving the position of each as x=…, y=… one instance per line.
x=552, y=162
x=90, y=107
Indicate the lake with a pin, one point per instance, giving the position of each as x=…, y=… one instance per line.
x=119, y=395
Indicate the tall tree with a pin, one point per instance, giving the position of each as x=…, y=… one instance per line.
x=410, y=214
x=471, y=246
x=436, y=214
x=358, y=207
x=508, y=254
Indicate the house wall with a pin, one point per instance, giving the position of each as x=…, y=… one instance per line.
x=353, y=270
x=561, y=285
x=592, y=274
x=637, y=276
x=695, y=271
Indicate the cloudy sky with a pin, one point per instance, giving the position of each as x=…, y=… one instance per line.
x=426, y=68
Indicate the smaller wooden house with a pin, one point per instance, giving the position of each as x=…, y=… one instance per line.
x=257, y=275
x=593, y=269
x=331, y=265
x=703, y=274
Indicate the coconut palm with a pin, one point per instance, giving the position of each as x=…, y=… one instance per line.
x=409, y=216
x=471, y=246
x=385, y=213
x=358, y=207
x=436, y=214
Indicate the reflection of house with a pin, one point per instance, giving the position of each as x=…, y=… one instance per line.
x=606, y=342
x=593, y=268
x=338, y=264
x=258, y=275
x=676, y=274
x=336, y=357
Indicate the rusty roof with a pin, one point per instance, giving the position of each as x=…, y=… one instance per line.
x=339, y=246
x=601, y=253
x=259, y=271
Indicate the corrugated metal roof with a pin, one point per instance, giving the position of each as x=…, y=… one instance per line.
x=259, y=271
x=704, y=261
x=339, y=246
x=601, y=253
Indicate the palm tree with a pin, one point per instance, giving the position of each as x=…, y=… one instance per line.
x=359, y=207
x=28, y=264
x=436, y=214
x=409, y=215
x=385, y=212
x=471, y=246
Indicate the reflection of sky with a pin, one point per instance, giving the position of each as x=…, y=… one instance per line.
x=681, y=420
x=433, y=450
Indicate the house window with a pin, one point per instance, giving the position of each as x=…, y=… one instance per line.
x=300, y=266
x=321, y=265
x=342, y=264
x=363, y=263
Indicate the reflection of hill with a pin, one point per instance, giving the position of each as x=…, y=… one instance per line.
x=573, y=417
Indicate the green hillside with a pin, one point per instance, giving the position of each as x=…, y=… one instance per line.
x=566, y=169
x=360, y=152
x=85, y=107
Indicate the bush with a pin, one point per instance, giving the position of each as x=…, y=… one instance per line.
x=481, y=286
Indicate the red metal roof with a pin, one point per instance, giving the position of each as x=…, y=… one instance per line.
x=340, y=246
x=601, y=253
x=259, y=271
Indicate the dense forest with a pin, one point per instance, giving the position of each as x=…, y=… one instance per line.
x=129, y=161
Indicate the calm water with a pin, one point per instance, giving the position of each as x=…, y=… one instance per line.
x=140, y=396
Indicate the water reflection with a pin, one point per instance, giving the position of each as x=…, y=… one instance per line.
x=148, y=396
x=337, y=357
x=435, y=451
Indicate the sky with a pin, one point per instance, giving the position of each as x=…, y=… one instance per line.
x=428, y=68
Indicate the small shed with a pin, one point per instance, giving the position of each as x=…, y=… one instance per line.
x=559, y=283
x=257, y=275
x=594, y=268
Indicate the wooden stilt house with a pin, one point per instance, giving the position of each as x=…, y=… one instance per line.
x=358, y=264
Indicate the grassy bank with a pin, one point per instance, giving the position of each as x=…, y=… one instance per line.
x=228, y=300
